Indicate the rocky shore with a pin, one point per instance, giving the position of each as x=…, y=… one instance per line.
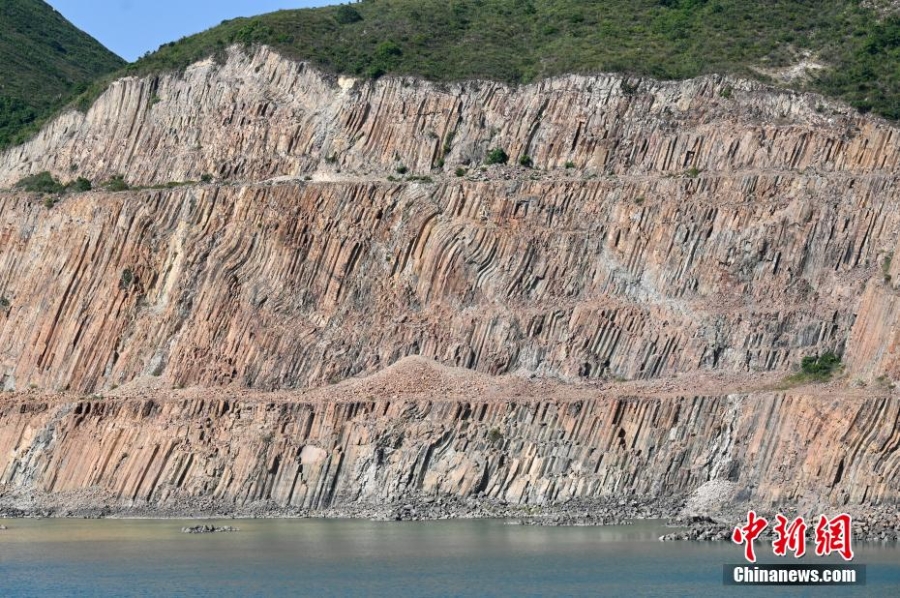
x=575, y=512
x=872, y=524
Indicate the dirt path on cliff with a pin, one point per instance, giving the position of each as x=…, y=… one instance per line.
x=416, y=378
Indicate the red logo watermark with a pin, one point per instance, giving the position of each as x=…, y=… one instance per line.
x=832, y=535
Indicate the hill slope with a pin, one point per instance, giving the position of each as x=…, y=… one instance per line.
x=857, y=43
x=44, y=61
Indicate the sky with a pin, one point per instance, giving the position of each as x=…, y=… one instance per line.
x=130, y=28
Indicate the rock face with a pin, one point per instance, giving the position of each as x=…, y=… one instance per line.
x=261, y=116
x=629, y=265
x=528, y=443
x=304, y=284
x=711, y=227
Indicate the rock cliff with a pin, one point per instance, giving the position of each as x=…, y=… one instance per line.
x=710, y=227
x=260, y=116
x=410, y=432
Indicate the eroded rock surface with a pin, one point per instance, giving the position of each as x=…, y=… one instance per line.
x=522, y=442
x=695, y=232
x=667, y=231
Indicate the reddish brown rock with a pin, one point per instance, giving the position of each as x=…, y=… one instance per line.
x=693, y=235
x=524, y=442
x=629, y=265
x=305, y=284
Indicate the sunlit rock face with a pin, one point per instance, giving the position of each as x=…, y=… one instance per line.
x=329, y=228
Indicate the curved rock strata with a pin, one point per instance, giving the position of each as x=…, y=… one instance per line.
x=695, y=231
x=710, y=227
x=302, y=284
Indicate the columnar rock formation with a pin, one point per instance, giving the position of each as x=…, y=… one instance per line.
x=710, y=226
x=305, y=284
x=528, y=443
x=260, y=116
x=630, y=264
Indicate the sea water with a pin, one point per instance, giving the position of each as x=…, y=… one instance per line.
x=362, y=558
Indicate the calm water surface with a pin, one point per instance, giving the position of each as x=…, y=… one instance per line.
x=358, y=558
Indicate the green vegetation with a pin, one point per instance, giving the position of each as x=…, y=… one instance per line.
x=814, y=369
x=570, y=165
x=526, y=161
x=496, y=156
x=460, y=172
x=823, y=365
x=45, y=61
x=401, y=169
x=43, y=182
x=495, y=435
x=523, y=40
x=81, y=185
x=117, y=183
x=4, y=303
x=46, y=183
x=126, y=280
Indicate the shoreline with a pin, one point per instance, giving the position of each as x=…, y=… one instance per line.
x=600, y=512
x=879, y=525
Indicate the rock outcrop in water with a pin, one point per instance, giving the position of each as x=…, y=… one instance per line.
x=208, y=529
x=666, y=229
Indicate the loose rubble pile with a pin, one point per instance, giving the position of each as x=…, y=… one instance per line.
x=570, y=513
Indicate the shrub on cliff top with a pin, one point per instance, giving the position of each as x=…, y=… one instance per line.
x=496, y=156
x=42, y=182
x=117, y=183
x=821, y=365
x=345, y=15
x=814, y=369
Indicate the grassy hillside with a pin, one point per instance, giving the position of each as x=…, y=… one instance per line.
x=44, y=62
x=43, y=58
x=523, y=40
